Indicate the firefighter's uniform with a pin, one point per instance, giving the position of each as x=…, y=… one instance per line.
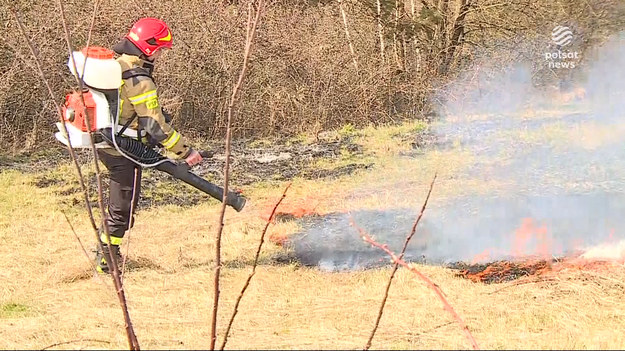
x=140, y=110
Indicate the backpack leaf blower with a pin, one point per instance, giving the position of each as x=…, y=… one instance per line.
x=102, y=76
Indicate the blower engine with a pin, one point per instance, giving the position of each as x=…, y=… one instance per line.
x=102, y=76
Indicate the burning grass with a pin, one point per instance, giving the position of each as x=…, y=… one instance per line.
x=286, y=307
x=537, y=261
x=500, y=271
x=505, y=271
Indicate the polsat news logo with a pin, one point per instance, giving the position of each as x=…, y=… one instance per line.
x=562, y=36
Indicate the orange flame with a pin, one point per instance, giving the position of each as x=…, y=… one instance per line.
x=603, y=257
x=502, y=271
x=523, y=236
x=296, y=208
x=278, y=238
x=482, y=257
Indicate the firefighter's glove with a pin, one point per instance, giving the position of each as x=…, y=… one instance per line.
x=167, y=115
x=193, y=158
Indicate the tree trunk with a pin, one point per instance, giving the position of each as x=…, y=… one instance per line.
x=457, y=37
x=380, y=31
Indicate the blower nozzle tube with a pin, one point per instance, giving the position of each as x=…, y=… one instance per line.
x=142, y=153
x=181, y=171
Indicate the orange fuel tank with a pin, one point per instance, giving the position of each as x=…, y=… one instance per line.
x=74, y=111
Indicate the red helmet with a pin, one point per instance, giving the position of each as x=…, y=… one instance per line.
x=150, y=34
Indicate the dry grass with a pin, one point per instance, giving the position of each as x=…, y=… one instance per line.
x=290, y=307
x=48, y=295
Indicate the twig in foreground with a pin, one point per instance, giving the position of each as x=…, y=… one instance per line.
x=73, y=341
x=367, y=238
x=255, y=264
x=396, y=266
x=72, y=154
x=131, y=221
x=249, y=40
x=133, y=343
x=84, y=250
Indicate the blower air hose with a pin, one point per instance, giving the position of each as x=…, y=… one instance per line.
x=142, y=153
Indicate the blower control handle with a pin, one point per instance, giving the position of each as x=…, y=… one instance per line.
x=204, y=153
x=207, y=154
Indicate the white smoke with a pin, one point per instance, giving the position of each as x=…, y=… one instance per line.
x=564, y=154
x=560, y=150
x=606, y=251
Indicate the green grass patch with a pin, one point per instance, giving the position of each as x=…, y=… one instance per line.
x=13, y=310
x=392, y=139
x=348, y=130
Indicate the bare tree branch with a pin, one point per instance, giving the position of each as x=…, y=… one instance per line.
x=70, y=149
x=74, y=341
x=434, y=287
x=84, y=250
x=380, y=30
x=95, y=11
x=349, y=39
x=396, y=266
x=482, y=8
x=251, y=32
x=133, y=343
x=254, y=265
x=33, y=51
x=131, y=219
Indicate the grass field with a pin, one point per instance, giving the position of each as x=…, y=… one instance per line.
x=49, y=296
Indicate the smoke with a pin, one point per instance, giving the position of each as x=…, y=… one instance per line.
x=564, y=150
x=605, y=84
x=607, y=251
x=559, y=148
x=488, y=89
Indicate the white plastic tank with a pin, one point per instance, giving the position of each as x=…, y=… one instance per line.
x=101, y=70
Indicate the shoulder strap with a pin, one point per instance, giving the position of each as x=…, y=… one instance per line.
x=127, y=124
x=128, y=74
x=135, y=72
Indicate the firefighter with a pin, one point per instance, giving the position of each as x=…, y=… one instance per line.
x=140, y=110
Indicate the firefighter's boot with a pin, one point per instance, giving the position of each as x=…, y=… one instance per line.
x=102, y=265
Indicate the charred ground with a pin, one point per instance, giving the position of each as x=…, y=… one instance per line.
x=252, y=162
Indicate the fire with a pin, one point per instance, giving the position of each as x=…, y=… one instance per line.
x=290, y=208
x=278, y=236
x=523, y=237
x=482, y=257
x=539, y=260
x=295, y=208
x=502, y=271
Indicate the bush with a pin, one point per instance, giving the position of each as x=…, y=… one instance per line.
x=302, y=76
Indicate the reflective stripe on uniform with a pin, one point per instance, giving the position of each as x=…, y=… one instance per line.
x=141, y=98
x=172, y=140
x=114, y=240
x=120, y=99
